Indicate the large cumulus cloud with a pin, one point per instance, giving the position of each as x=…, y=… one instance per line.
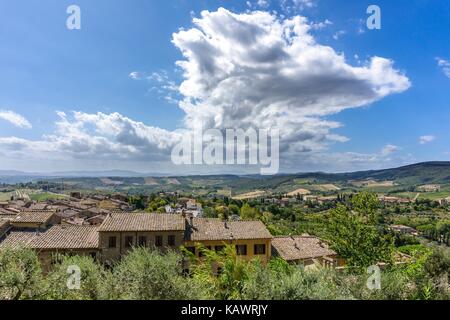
x=260, y=71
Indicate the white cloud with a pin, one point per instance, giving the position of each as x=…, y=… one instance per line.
x=388, y=156
x=290, y=6
x=321, y=25
x=96, y=136
x=15, y=119
x=257, y=70
x=135, y=75
x=389, y=149
x=263, y=3
x=245, y=70
x=164, y=86
x=444, y=65
x=160, y=83
x=304, y=3
x=426, y=139
x=338, y=34
x=258, y=4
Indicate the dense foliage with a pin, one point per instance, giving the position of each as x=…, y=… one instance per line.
x=145, y=275
x=355, y=235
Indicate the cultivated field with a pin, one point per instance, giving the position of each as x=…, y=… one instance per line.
x=300, y=191
x=372, y=183
x=44, y=196
x=327, y=187
x=173, y=181
x=250, y=195
x=108, y=181
x=149, y=181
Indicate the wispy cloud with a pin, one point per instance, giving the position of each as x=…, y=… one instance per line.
x=264, y=4
x=135, y=75
x=389, y=149
x=444, y=65
x=292, y=6
x=15, y=119
x=321, y=25
x=338, y=34
x=164, y=86
x=160, y=82
x=426, y=139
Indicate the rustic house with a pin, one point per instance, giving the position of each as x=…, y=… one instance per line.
x=120, y=232
x=35, y=219
x=306, y=250
x=64, y=239
x=251, y=238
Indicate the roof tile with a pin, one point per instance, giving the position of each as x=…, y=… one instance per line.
x=57, y=237
x=215, y=229
x=142, y=222
x=301, y=247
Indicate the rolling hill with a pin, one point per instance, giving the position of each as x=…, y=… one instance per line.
x=407, y=176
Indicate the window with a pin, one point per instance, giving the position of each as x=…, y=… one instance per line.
x=158, y=241
x=260, y=249
x=142, y=241
x=191, y=249
x=241, y=250
x=219, y=248
x=128, y=241
x=112, y=242
x=171, y=240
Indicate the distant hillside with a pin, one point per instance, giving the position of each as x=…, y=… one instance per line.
x=420, y=173
x=127, y=181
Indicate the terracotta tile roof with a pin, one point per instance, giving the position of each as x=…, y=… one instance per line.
x=4, y=211
x=97, y=211
x=56, y=238
x=36, y=206
x=119, y=210
x=301, y=247
x=215, y=229
x=67, y=213
x=8, y=211
x=35, y=216
x=143, y=222
x=68, y=237
x=16, y=240
x=3, y=223
x=9, y=217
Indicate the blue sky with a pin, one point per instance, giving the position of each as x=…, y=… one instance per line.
x=47, y=68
